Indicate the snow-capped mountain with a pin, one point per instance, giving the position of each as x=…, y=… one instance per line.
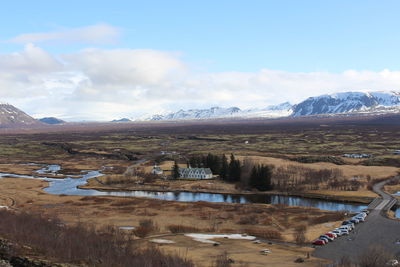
x=349, y=102
x=281, y=110
x=10, y=116
x=339, y=103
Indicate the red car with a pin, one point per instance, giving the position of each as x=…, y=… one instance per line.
x=319, y=242
x=331, y=235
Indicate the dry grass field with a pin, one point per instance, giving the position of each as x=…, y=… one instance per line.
x=114, y=150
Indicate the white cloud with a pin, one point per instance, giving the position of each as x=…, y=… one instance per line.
x=93, y=34
x=96, y=84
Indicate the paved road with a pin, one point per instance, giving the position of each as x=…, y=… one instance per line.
x=376, y=230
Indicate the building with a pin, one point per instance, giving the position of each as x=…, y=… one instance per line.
x=397, y=152
x=195, y=173
x=157, y=170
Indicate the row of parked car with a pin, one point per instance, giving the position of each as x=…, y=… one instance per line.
x=346, y=227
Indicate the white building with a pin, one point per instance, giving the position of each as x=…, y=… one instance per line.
x=195, y=173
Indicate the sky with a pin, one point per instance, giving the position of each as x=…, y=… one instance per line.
x=103, y=60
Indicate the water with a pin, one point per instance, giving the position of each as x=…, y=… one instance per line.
x=69, y=186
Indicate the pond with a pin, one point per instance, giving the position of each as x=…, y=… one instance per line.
x=69, y=186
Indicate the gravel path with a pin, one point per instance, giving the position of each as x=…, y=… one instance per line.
x=376, y=230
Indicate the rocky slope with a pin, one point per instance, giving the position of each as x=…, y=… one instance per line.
x=10, y=116
x=349, y=102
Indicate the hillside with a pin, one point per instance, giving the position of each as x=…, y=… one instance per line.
x=11, y=116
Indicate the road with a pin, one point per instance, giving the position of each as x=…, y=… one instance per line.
x=376, y=230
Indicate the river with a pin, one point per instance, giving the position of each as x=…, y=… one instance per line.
x=69, y=186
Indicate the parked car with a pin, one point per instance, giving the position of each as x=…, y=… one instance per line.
x=365, y=211
x=354, y=220
x=319, y=242
x=361, y=219
x=348, y=224
x=339, y=232
x=330, y=234
x=326, y=237
x=363, y=214
x=347, y=228
x=343, y=231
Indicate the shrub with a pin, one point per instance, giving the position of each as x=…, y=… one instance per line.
x=249, y=219
x=146, y=227
x=264, y=233
x=103, y=248
x=338, y=216
x=177, y=228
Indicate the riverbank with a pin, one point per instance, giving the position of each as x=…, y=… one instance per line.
x=224, y=188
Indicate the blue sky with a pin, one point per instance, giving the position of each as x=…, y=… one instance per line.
x=245, y=40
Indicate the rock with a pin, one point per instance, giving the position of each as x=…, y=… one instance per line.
x=265, y=251
x=299, y=260
x=4, y=263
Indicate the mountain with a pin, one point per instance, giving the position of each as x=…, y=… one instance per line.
x=121, y=120
x=51, y=120
x=349, y=102
x=11, y=117
x=281, y=110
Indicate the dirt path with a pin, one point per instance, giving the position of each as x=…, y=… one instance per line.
x=376, y=230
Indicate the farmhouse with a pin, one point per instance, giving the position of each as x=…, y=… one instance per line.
x=195, y=173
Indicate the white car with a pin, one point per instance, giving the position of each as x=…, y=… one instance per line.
x=344, y=231
x=361, y=219
x=339, y=232
x=348, y=229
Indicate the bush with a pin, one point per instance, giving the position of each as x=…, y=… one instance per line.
x=249, y=219
x=103, y=248
x=271, y=234
x=338, y=216
x=146, y=227
x=177, y=228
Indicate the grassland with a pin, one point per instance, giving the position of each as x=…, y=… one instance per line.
x=117, y=149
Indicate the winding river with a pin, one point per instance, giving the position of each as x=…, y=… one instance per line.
x=69, y=186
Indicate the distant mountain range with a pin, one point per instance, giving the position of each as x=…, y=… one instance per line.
x=281, y=110
x=339, y=103
x=51, y=120
x=349, y=103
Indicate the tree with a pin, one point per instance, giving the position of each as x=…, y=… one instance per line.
x=260, y=177
x=224, y=168
x=234, y=170
x=175, y=171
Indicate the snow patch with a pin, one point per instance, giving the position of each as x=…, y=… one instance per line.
x=207, y=238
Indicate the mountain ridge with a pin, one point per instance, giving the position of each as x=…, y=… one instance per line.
x=11, y=116
x=375, y=102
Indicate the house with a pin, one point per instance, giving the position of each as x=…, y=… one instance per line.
x=195, y=173
x=157, y=170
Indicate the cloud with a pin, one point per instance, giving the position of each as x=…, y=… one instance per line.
x=100, y=84
x=93, y=34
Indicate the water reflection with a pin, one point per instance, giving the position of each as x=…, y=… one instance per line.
x=69, y=186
